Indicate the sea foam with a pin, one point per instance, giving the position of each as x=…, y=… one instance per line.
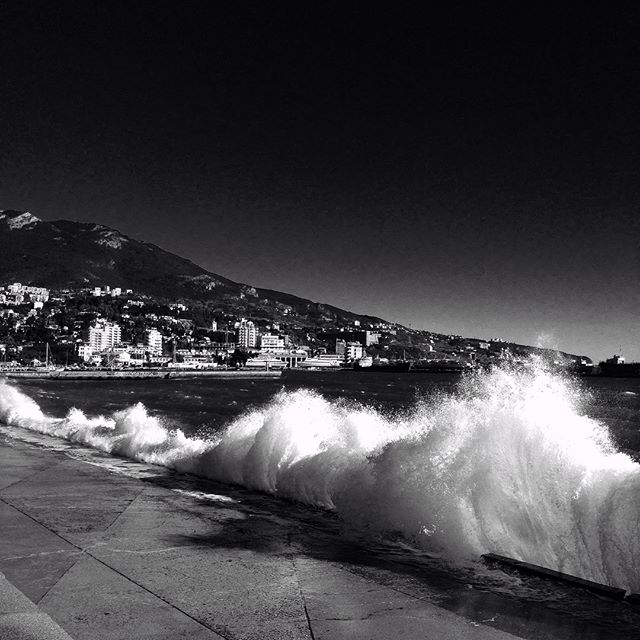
x=506, y=464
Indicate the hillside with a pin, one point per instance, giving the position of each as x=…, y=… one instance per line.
x=64, y=254
x=74, y=255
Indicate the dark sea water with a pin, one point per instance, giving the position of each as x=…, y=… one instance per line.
x=521, y=462
x=207, y=405
x=201, y=405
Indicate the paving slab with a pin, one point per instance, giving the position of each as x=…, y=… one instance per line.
x=16, y=466
x=196, y=559
x=93, y=602
x=72, y=497
x=31, y=556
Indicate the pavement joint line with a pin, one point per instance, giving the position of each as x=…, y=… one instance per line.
x=60, y=578
x=105, y=564
x=306, y=614
x=119, y=515
x=173, y=606
x=292, y=560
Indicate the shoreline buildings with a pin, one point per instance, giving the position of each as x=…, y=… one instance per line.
x=112, y=329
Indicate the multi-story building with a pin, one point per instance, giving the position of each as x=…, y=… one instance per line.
x=270, y=343
x=247, y=336
x=104, y=335
x=107, y=290
x=95, y=340
x=112, y=334
x=34, y=293
x=370, y=337
x=84, y=351
x=154, y=341
x=349, y=351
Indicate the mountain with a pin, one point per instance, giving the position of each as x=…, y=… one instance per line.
x=64, y=254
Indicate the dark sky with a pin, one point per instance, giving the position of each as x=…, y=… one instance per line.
x=465, y=173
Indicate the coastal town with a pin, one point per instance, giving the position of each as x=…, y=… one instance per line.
x=114, y=327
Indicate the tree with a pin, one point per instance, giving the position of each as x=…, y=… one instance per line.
x=238, y=358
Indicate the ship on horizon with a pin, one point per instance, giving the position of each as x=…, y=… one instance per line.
x=617, y=367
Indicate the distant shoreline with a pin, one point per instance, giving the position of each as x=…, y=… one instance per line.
x=145, y=374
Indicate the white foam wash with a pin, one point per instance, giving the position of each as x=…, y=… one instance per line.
x=507, y=464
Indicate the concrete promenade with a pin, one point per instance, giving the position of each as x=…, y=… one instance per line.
x=98, y=553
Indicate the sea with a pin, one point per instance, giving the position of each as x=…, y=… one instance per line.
x=519, y=460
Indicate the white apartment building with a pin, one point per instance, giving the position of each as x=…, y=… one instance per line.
x=270, y=343
x=84, y=351
x=247, y=335
x=349, y=350
x=154, y=341
x=103, y=336
x=36, y=294
x=106, y=291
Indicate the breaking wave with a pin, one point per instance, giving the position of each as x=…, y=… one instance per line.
x=507, y=464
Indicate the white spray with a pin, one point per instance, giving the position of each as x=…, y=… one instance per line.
x=508, y=464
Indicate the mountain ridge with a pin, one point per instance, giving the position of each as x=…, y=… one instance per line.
x=81, y=254
x=64, y=254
